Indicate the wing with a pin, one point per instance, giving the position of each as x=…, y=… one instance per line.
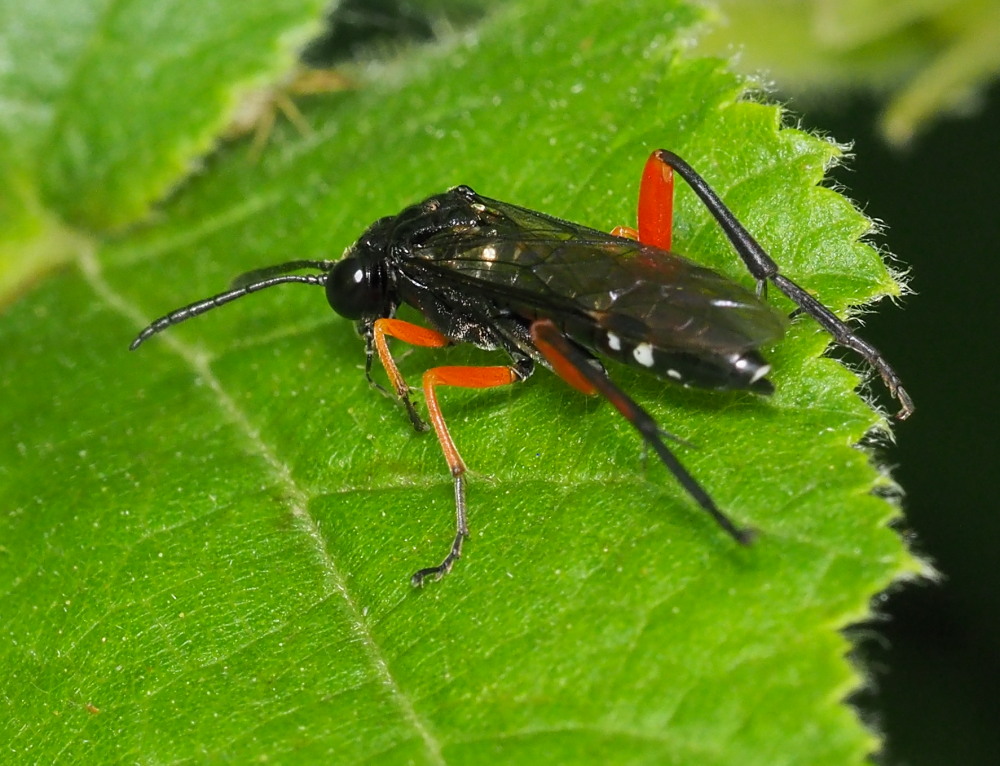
x=540, y=266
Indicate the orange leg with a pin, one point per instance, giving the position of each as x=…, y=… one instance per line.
x=463, y=377
x=409, y=333
x=656, y=206
x=561, y=365
x=656, y=203
x=625, y=231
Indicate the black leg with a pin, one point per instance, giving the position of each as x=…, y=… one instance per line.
x=462, y=532
x=764, y=268
x=561, y=351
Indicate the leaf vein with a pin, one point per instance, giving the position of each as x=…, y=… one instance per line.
x=298, y=498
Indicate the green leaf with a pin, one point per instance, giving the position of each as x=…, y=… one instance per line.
x=106, y=106
x=207, y=543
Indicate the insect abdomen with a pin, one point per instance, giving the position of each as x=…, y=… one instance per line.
x=744, y=370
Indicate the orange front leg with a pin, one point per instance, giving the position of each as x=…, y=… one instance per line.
x=410, y=333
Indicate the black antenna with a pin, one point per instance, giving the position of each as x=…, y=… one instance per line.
x=259, y=275
x=245, y=284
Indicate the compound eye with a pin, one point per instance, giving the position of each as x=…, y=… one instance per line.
x=353, y=290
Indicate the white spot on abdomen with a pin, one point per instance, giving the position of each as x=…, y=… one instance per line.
x=643, y=354
x=614, y=342
x=760, y=373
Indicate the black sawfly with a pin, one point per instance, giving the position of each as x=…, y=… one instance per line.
x=554, y=293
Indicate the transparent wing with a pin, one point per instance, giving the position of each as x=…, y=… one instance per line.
x=544, y=267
